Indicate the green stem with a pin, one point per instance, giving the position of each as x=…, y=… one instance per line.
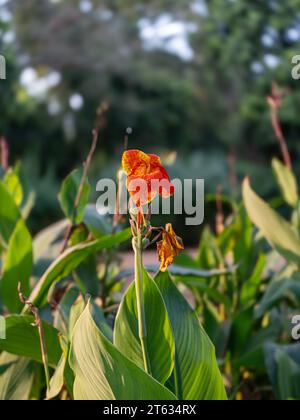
x=44, y=353
x=39, y=325
x=138, y=249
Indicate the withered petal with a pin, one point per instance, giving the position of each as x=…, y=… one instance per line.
x=169, y=248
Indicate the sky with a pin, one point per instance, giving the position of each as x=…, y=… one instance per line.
x=167, y=34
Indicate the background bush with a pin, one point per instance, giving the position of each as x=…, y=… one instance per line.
x=199, y=87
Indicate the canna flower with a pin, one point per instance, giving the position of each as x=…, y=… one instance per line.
x=169, y=247
x=146, y=177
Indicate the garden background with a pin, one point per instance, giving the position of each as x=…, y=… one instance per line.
x=189, y=76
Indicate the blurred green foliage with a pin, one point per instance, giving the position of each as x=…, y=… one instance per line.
x=243, y=283
x=191, y=76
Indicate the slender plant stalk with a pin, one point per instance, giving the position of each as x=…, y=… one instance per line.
x=86, y=167
x=282, y=141
x=39, y=325
x=220, y=218
x=137, y=246
x=275, y=102
x=4, y=153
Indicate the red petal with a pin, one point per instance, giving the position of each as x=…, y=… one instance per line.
x=148, y=168
x=133, y=159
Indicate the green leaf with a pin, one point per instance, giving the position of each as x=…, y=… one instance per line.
x=13, y=185
x=22, y=339
x=181, y=272
x=287, y=182
x=68, y=194
x=9, y=214
x=277, y=230
x=62, y=316
x=241, y=330
x=196, y=374
x=86, y=276
x=76, y=310
x=252, y=359
x=186, y=261
x=16, y=377
x=63, y=375
x=279, y=289
x=70, y=260
x=283, y=366
x=209, y=254
x=57, y=380
x=47, y=245
x=217, y=329
x=288, y=376
x=100, y=320
x=2, y=328
x=251, y=287
x=204, y=289
x=176, y=270
x=17, y=267
x=102, y=372
x=159, y=341
x=97, y=224
x=253, y=355
x=28, y=204
x=97, y=314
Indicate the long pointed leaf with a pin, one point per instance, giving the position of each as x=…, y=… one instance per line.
x=16, y=376
x=102, y=372
x=275, y=229
x=197, y=375
x=159, y=342
x=9, y=214
x=22, y=339
x=70, y=260
x=18, y=263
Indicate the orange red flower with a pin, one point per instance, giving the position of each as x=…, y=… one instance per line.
x=169, y=248
x=146, y=177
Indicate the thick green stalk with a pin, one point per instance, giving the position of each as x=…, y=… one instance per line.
x=138, y=249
